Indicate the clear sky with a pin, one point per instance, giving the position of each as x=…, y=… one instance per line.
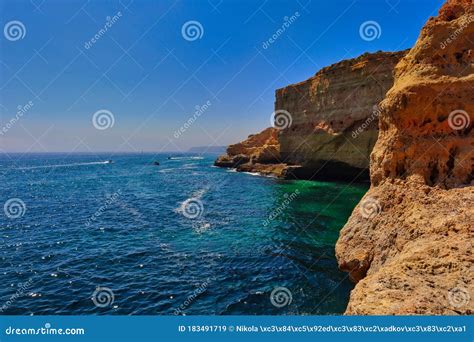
x=150, y=74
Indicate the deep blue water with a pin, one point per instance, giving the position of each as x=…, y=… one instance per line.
x=87, y=224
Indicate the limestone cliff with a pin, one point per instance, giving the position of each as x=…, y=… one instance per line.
x=331, y=123
x=334, y=116
x=258, y=153
x=409, y=242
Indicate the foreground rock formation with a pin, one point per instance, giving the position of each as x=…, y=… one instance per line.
x=409, y=242
x=326, y=125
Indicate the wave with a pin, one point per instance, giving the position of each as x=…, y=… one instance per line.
x=253, y=173
x=199, y=193
x=184, y=158
x=166, y=170
x=62, y=165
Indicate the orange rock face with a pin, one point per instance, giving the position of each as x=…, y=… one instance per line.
x=261, y=148
x=258, y=153
x=334, y=114
x=331, y=127
x=409, y=242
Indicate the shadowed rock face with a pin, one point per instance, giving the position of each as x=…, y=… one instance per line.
x=334, y=115
x=409, y=242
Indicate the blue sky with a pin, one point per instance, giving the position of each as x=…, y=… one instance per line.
x=150, y=78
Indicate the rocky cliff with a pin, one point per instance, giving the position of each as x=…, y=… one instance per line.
x=334, y=116
x=409, y=242
x=326, y=126
x=258, y=153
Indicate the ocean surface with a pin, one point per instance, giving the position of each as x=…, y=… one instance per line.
x=80, y=235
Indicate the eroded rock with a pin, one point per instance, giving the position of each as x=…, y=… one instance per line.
x=409, y=242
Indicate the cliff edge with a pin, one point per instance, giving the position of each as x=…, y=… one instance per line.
x=334, y=116
x=409, y=242
x=258, y=153
x=324, y=127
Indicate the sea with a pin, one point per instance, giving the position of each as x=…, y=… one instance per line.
x=115, y=234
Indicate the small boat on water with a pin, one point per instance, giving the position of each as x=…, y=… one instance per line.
x=109, y=162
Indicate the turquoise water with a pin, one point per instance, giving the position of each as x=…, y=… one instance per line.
x=87, y=224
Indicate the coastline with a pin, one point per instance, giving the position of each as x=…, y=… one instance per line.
x=377, y=246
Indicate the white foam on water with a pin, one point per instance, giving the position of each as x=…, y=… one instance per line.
x=201, y=227
x=253, y=173
x=166, y=170
x=199, y=193
x=185, y=158
x=63, y=165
